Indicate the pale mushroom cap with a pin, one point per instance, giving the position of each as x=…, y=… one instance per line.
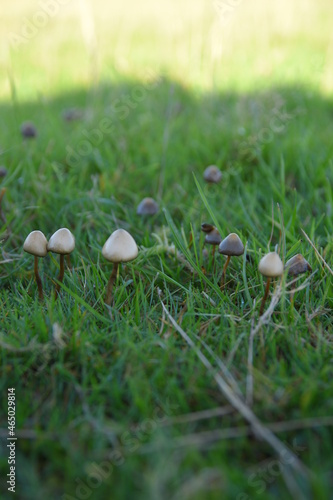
x=36, y=244
x=212, y=174
x=62, y=241
x=297, y=265
x=271, y=265
x=231, y=245
x=213, y=237
x=120, y=247
x=147, y=206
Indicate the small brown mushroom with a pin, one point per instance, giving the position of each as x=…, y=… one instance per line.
x=212, y=237
x=3, y=171
x=28, y=130
x=270, y=266
x=231, y=246
x=295, y=266
x=212, y=174
x=147, y=206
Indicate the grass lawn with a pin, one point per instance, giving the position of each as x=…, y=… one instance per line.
x=178, y=390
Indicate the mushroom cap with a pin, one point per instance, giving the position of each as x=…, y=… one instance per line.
x=147, y=206
x=120, y=247
x=271, y=265
x=3, y=171
x=207, y=228
x=213, y=237
x=297, y=265
x=231, y=245
x=62, y=242
x=36, y=244
x=212, y=174
x=28, y=130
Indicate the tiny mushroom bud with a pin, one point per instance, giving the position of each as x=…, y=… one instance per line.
x=270, y=266
x=231, y=246
x=28, y=130
x=212, y=174
x=147, y=206
x=36, y=244
x=295, y=266
x=119, y=247
x=63, y=243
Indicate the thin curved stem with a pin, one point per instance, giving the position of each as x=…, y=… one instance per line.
x=110, y=284
x=265, y=296
x=38, y=280
x=60, y=275
x=224, y=271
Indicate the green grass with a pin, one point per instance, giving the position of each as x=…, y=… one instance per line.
x=252, y=96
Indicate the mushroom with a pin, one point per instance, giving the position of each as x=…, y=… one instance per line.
x=36, y=244
x=28, y=130
x=119, y=247
x=295, y=266
x=212, y=237
x=63, y=243
x=270, y=266
x=3, y=171
x=72, y=114
x=231, y=246
x=212, y=174
x=147, y=206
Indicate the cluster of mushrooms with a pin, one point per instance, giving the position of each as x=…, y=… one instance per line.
x=121, y=247
x=270, y=265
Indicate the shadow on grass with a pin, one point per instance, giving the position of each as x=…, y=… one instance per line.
x=131, y=140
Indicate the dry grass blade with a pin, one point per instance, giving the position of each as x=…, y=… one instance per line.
x=198, y=415
x=295, y=465
x=317, y=253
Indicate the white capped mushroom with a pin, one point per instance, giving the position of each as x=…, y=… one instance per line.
x=270, y=266
x=119, y=247
x=36, y=244
x=63, y=243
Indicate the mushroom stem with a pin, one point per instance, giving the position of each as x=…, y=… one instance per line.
x=224, y=271
x=38, y=280
x=61, y=275
x=111, y=281
x=265, y=296
x=292, y=293
x=213, y=256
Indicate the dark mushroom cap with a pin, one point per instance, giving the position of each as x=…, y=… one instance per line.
x=3, y=171
x=207, y=228
x=213, y=237
x=212, y=174
x=147, y=206
x=72, y=114
x=28, y=130
x=297, y=265
x=231, y=245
